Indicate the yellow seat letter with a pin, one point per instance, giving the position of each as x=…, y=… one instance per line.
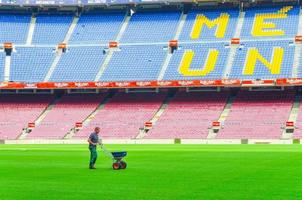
x=187, y=58
x=221, y=22
x=274, y=66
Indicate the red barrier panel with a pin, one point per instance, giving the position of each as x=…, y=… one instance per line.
x=8, y=85
x=148, y=124
x=281, y=81
x=289, y=81
x=250, y=83
x=298, y=38
x=173, y=43
x=229, y=83
x=31, y=125
x=113, y=44
x=289, y=124
x=235, y=41
x=152, y=84
x=78, y=124
x=62, y=45
x=8, y=45
x=215, y=124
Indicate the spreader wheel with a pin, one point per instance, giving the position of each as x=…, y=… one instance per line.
x=116, y=166
x=123, y=165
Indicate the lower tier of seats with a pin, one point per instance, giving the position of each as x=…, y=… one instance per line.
x=185, y=115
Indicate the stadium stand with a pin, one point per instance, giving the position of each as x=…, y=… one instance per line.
x=31, y=64
x=124, y=114
x=14, y=27
x=205, y=34
x=16, y=111
x=79, y=63
x=265, y=50
x=299, y=70
x=69, y=110
x=142, y=62
x=97, y=28
x=277, y=63
x=284, y=22
x=257, y=115
x=160, y=27
x=2, y=58
x=192, y=61
x=51, y=29
x=189, y=115
x=200, y=25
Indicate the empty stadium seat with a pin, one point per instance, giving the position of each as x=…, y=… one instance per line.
x=189, y=115
x=209, y=33
x=51, y=29
x=288, y=24
x=266, y=49
x=31, y=64
x=197, y=69
x=79, y=64
x=69, y=110
x=257, y=115
x=2, y=58
x=16, y=111
x=160, y=27
x=14, y=27
x=122, y=116
x=97, y=28
x=140, y=63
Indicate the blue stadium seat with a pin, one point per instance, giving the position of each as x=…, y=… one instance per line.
x=14, y=28
x=288, y=24
x=151, y=27
x=265, y=48
x=300, y=67
x=97, y=28
x=2, y=60
x=31, y=64
x=79, y=64
x=209, y=33
x=198, y=61
x=140, y=63
x=51, y=29
x=143, y=62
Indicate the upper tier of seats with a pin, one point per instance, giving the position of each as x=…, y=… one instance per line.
x=51, y=29
x=97, y=28
x=150, y=27
x=31, y=64
x=14, y=28
x=266, y=49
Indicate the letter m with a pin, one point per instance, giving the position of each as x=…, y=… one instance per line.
x=220, y=22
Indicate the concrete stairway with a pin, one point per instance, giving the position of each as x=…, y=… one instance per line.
x=292, y=116
x=155, y=118
x=224, y=114
x=51, y=105
x=111, y=51
x=90, y=117
x=31, y=30
x=166, y=63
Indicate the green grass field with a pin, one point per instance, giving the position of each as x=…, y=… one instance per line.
x=38, y=172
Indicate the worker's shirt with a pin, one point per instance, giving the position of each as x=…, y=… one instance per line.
x=94, y=138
